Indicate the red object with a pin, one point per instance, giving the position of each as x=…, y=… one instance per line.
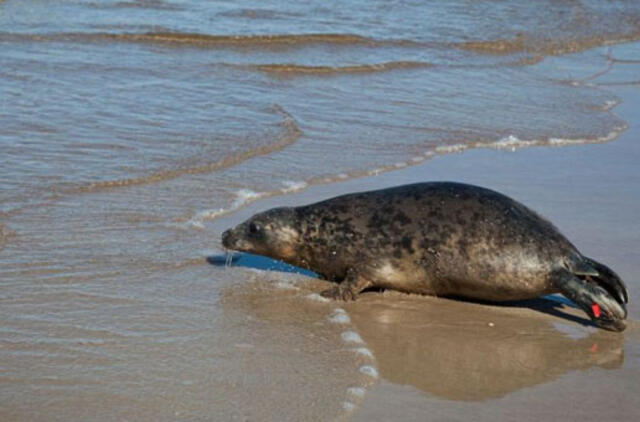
x=596, y=310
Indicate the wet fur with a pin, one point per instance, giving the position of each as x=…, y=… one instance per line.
x=437, y=238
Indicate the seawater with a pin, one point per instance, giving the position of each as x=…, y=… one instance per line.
x=127, y=126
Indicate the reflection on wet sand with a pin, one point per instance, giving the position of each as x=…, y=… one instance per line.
x=450, y=349
x=282, y=335
x=466, y=351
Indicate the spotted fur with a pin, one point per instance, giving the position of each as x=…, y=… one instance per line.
x=439, y=238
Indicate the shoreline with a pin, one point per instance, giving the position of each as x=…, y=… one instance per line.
x=125, y=158
x=591, y=192
x=513, y=171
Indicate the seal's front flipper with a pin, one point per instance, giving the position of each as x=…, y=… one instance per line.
x=603, y=308
x=348, y=289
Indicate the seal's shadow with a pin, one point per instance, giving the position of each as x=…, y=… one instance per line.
x=554, y=305
x=551, y=305
x=258, y=262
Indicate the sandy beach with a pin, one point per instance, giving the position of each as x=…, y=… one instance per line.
x=532, y=364
x=440, y=359
x=133, y=134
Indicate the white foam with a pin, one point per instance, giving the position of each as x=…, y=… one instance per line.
x=563, y=141
x=356, y=392
x=448, y=149
x=351, y=337
x=244, y=196
x=317, y=298
x=291, y=186
x=364, y=352
x=510, y=142
x=196, y=224
x=369, y=370
x=208, y=214
x=205, y=215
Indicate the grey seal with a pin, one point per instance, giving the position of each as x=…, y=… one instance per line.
x=434, y=238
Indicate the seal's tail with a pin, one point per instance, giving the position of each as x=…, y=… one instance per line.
x=596, y=289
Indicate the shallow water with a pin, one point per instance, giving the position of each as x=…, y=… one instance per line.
x=128, y=128
x=105, y=94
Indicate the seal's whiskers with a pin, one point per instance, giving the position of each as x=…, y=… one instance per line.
x=228, y=255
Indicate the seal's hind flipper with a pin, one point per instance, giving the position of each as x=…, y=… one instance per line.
x=608, y=280
x=603, y=308
x=581, y=266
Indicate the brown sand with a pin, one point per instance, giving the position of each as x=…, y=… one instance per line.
x=262, y=350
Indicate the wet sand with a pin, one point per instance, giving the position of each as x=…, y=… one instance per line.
x=134, y=133
x=441, y=359
x=530, y=364
x=474, y=362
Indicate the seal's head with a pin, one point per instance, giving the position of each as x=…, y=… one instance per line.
x=272, y=233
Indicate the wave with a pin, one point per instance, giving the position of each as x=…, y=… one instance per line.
x=295, y=70
x=140, y=4
x=242, y=40
x=258, y=14
x=291, y=69
x=291, y=133
x=505, y=46
x=510, y=143
x=204, y=40
x=243, y=198
x=543, y=46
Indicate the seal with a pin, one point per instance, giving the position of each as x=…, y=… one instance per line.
x=435, y=238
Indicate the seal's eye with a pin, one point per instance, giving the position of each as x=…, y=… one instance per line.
x=253, y=228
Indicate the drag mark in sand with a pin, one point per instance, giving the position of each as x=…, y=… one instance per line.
x=356, y=393
x=340, y=316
